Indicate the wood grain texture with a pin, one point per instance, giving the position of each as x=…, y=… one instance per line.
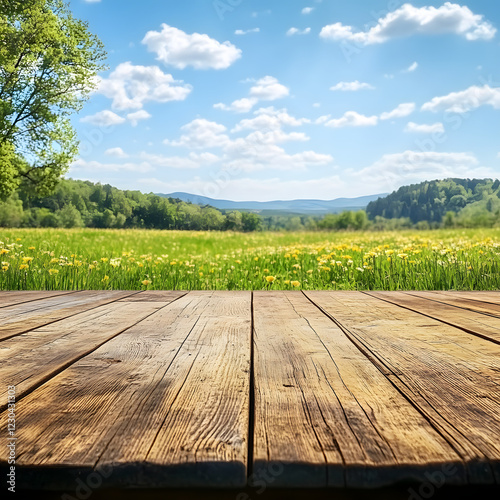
x=8, y=299
x=166, y=403
x=449, y=375
x=476, y=323
x=154, y=296
x=325, y=413
x=31, y=358
x=491, y=297
x=469, y=302
x=26, y=316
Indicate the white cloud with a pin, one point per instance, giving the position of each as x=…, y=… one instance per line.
x=395, y=170
x=262, y=13
x=201, y=134
x=179, y=49
x=239, y=106
x=92, y=1
x=401, y=111
x=353, y=119
x=352, y=86
x=257, y=153
x=131, y=86
x=467, y=100
x=81, y=165
x=307, y=10
x=269, y=119
x=117, y=152
x=409, y=20
x=138, y=116
x=104, y=118
x=269, y=89
x=413, y=67
x=424, y=128
x=260, y=149
x=242, y=189
x=192, y=161
x=265, y=89
x=246, y=32
x=322, y=119
x=296, y=31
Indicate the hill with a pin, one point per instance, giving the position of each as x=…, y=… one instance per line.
x=295, y=207
x=464, y=202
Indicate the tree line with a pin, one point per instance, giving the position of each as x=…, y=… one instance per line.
x=85, y=204
x=73, y=204
x=442, y=203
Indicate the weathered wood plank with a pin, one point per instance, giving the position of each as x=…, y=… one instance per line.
x=164, y=404
x=492, y=297
x=482, y=325
x=27, y=316
x=8, y=299
x=464, y=302
x=155, y=296
x=31, y=358
x=324, y=414
x=449, y=375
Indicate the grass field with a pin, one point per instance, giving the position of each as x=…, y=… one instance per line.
x=48, y=259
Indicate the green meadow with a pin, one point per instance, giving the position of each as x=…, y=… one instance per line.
x=50, y=259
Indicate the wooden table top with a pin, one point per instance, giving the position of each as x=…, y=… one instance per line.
x=231, y=389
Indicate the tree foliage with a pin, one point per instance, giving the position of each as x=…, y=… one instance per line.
x=48, y=64
x=450, y=201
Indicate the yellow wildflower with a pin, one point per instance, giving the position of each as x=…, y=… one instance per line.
x=295, y=283
x=270, y=279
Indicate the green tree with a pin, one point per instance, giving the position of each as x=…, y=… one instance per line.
x=70, y=216
x=48, y=66
x=251, y=222
x=11, y=212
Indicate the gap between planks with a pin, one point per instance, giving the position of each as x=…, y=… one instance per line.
x=484, y=326
x=205, y=369
x=365, y=351
x=59, y=345
x=449, y=375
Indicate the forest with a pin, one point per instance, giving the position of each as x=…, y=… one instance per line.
x=428, y=205
x=444, y=203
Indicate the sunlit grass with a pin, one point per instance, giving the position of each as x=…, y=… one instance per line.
x=47, y=259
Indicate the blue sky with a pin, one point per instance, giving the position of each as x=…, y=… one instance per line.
x=265, y=100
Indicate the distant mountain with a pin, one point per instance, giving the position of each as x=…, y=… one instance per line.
x=302, y=207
